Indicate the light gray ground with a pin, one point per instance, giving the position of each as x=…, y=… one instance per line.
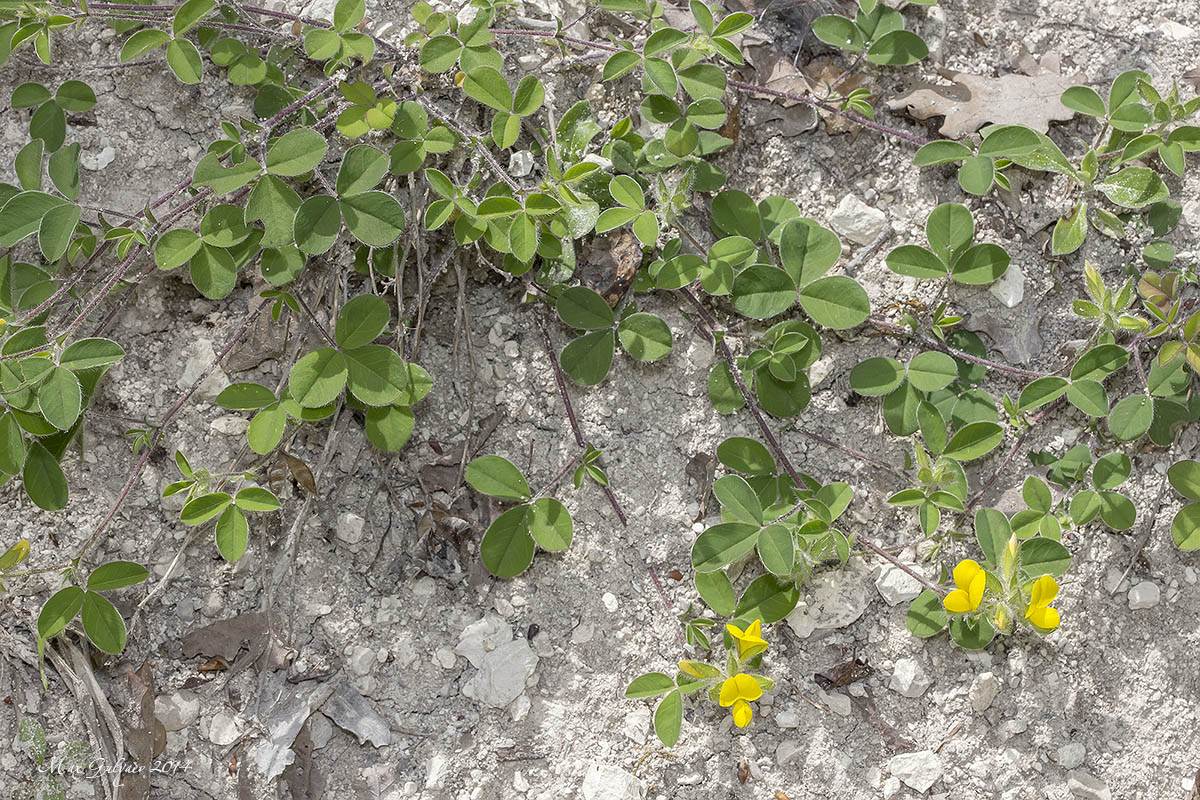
x=373, y=607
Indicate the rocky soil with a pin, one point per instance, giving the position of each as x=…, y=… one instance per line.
x=372, y=658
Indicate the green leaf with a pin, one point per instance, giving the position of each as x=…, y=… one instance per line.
x=143, y=42
x=993, y=531
x=389, y=427
x=587, y=358
x=768, y=599
x=44, y=480
x=63, y=169
x=12, y=445
x=507, y=547
x=55, y=230
x=1069, y=232
x=58, y=611
x=175, y=248
x=746, y=456
x=213, y=272
x=116, y=575
x=201, y=509
x=897, y=49
x=232, y=533
x=836, y=302
x=266, y=429
x=942, y=151
x=762, y=291
x=550, y=524
x=523, y=238
x=976, y=175
x=703, y=80
x=836, y=30
x=318, y=378
x=1134, y=187
x=651, y=684
x=668, y=719
x=1112, y=470
x=245, y=397
x=210, y=172
x=974, y=440
x=22, y=215
x=930, y=371
x=645, y=227
x=1041, y=556
x=298, y=151
x=497, y=477
x=274, y=203
x=916, y=262
x=28, y=95
x=362, y=168
x=876, y=376
x=255, y=498
x=971, y=634
x=584, y=309
x=721, y=545
x=738, y=501
x=486, y=85
x=619, y=63
x=530, y=95
x=28, y=165
x=716, y=590
x=1185, y=478
x=1089, y=397
x=645, y=336
x=317, y=224
x=49, y=123
x=926, y=615
x=777, y=549
x=347, y=14
x=184, y=60
x=375, y=374
x=189, y=14
x=1042, y=391
x=980, y=264
x=374, y=218
x=60, y=398
x=1085, y=100
x=1185, y=527
x=807, y=250
x=1006, y=141
x=440, y=53
x=361, y=321
x=734, y=213
x=102, y=623
x=1131, y=417
x=1099, y=362
x=949, y=229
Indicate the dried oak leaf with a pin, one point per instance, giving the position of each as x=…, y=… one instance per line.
x=972, y=101
x=825, y=72
x=775, y=71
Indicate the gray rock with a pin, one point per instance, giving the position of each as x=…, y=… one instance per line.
x=896, y=586
x=352, y=712
x=223, y=730
x=787, y=719
x=788, y=750
x=606, y=782
x=636, y=723
x=918, y=771
x=520, y=163
x=1010, y=289
x=177, y=710
x=481, y=637
x=1144, y=595
x=200, y=358
x=350, y=527
x=98, y=161
x=502, y=674
x=984, y=691
x=1071, y=755
x=1087, y=786
x=857, y=221
x=360, y=660
x=909, y=678
x=836, y=598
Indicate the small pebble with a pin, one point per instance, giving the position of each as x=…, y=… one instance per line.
x=610, y=602
x=1144, y=595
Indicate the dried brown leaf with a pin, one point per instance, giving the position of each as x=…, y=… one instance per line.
x=972, y=101
x=228, y=637
x=145, y=737
x=775, y=71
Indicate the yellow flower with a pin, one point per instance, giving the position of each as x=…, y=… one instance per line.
x=736, y=691
x=1045, y=589
x=749, y=641
x=970, y=580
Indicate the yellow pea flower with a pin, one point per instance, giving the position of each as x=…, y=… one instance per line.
x=970, y=580
x=1045, y=589
x=749, y=641
x=737, y=691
